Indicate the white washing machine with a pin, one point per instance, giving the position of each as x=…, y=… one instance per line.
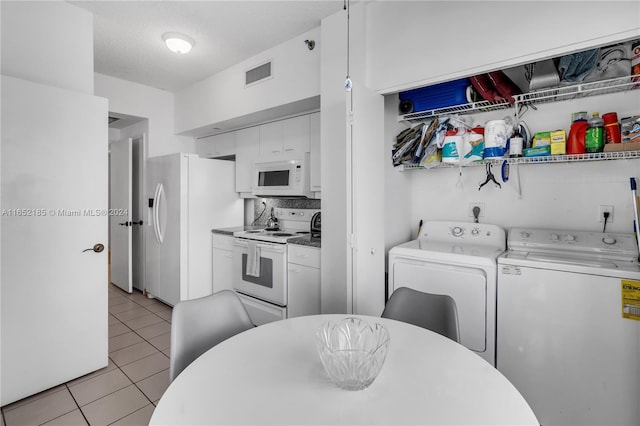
x=458, y=259
x=569, y=325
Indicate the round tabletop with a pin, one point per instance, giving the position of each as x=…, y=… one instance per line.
x=272, y=375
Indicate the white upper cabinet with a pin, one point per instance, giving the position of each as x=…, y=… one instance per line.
x=247, y=151
x=222, y=145
x=296, y=134
x=284, y=137
x=271, y=135
x=314, y=149
x=504, y=34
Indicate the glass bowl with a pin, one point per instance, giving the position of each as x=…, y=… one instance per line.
x=352, y=351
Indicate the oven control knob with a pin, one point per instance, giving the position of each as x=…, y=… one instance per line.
x=457, y=231
x=525, y=235
x=609, y=240
x=570, y=237
x=555, y=237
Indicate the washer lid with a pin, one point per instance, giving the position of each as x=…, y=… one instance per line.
x=598, y=245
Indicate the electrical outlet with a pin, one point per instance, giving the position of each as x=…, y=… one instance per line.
x=472, y=205
x=605, y=208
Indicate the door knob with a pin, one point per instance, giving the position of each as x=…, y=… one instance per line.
x=96, y=248
x=137, y=223
x=125, y=224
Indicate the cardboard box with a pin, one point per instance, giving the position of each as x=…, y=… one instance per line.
x=541, y=139
x=558, y=136
x=616, y=147
x=558, y=148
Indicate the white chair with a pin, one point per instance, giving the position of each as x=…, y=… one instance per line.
x=435, y=312
x=198, y=325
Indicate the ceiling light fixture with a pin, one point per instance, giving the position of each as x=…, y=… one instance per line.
x=178, y=43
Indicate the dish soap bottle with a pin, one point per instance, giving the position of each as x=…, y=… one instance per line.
x=594, y=140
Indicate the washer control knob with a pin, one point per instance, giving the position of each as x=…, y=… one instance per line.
x=555, y=237
x=609, y=240
x=457, y=231
x=475, y=231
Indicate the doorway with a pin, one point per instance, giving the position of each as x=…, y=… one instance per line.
x=122, y=127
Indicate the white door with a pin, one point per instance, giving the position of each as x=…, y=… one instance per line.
x=54, y=205
x=120, y=219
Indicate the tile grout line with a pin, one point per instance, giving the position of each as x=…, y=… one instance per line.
x=67, y=387
x=78, y=405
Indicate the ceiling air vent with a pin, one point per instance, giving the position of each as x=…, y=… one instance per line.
x=258, y=73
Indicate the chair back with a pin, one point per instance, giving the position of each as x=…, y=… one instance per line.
x=435, y=312
x=198, y=325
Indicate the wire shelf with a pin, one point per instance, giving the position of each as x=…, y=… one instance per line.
x=614, y=155
x=482, y=106
x=603, y=87
x=560, y=93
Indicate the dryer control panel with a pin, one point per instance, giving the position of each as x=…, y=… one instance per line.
x=477, y=234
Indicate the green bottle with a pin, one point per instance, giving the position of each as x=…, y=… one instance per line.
x=594, y=139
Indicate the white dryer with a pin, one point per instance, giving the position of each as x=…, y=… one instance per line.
x=569, y=325
x=458, y=259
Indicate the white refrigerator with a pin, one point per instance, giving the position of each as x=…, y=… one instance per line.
x=187, y=197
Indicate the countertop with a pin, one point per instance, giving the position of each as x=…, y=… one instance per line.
x=304, y=240
x=230, y=231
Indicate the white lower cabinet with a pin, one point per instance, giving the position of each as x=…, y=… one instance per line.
x=304, y=281
x=222, y=262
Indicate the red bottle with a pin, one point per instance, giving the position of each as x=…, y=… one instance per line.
x=611, y=128
x=577, y=133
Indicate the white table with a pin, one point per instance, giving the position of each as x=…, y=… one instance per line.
x=272, y=375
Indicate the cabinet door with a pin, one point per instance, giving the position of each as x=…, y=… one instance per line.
x=314, y=148
x=271, y=135
x=304, y=290
x=296, y=135
x=217, y=145
x=222, y=270
x=247, y=151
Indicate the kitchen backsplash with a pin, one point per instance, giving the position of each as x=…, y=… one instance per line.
x=294, y=203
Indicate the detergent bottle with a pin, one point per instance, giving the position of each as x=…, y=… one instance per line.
x=594, y=139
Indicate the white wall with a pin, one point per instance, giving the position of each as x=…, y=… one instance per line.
x=223, y=96
x=368, y=155
x=335, y=253
x=557, y=196
x=48, y=42
x=143, y=101
x=353, y=199
x=416, y=43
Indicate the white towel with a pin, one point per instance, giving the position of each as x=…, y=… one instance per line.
x=253, y=259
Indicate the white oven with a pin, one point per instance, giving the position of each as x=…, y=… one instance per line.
x=260, y=272
x=282, y=178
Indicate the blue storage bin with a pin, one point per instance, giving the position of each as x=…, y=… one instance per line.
x=440, y=95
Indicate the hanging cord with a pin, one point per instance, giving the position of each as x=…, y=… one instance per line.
x=348, y=84
x=606, y=216
x=264, y=208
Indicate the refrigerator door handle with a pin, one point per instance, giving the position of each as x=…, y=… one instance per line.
x=159, y=204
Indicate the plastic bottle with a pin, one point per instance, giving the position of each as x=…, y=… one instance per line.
x=594, y=140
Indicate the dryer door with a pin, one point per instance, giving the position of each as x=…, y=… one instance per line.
x=466, y=285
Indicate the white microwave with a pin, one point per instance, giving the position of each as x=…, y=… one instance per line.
x=282, y=178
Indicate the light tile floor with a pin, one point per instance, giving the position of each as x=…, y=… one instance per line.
x=123, y=393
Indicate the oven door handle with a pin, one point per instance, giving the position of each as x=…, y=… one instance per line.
x=275, y=248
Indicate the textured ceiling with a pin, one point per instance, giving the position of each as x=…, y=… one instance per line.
x=128, y=35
